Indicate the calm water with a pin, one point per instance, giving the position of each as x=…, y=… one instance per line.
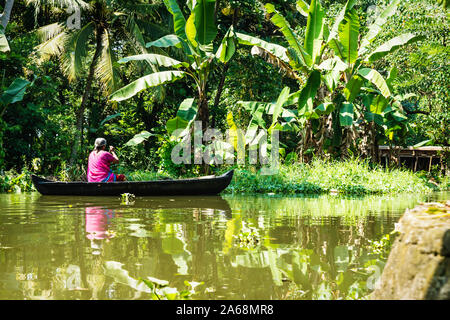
x=240, y=247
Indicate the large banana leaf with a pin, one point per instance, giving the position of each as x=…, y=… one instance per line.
x=156, y=59
x=187, y=110
x=378, y=105
x=201, y=25
x=352, y=88
x=346, y=114
x=377, y=79
x=278, y=107
x=348, y=36
x=392, y=45
x=308, y=93
x=291, y=38
x=169, y=40
x=185, y=115
x=324, y=109
x=148, y=81
x=227, y=47
x=138, y=138
x=15, y=91
x=333, y=35
x=179, y=21
x=375, y=28
x=314, y=30
x=391, y=77
x=302, y=7
x=4, y=46
x=275, y=49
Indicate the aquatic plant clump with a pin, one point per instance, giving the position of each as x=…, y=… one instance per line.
x=352, y=177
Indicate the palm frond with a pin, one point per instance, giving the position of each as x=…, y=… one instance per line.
x=106, y=73
x=76, y=49
x=53, y=37
x=71, y=5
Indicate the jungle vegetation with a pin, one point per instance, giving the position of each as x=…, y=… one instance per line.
x=337, y=78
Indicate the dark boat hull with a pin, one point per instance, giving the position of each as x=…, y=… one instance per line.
x=211, y=185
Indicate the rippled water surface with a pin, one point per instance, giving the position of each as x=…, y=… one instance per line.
x=238, y=247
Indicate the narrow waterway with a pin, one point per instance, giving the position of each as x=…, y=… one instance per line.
x=237, y=247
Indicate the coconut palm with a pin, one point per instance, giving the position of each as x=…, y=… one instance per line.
x=108, y=27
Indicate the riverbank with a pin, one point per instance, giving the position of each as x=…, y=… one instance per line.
x=350, y=177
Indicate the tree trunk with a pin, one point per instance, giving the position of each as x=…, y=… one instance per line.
x=224, y=72
x=87, y=91
x=203, y=112
x=4, y=17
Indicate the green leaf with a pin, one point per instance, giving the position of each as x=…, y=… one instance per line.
x=334, y=67
x=302, y=7
x=352, y=88
x=15, y=91
x=306, y=99
x=391, y=77
x=291, y=38
x=80, y=49
x=185, y=116
x=138, y=138
x=155, y=59
x=148, y=81
x=169, y=40
x=187, y=110
x=378, y=105
x=110, y=118
x=175, y=124
x=278, y=108
x=333, y=35
x=179, y=21
x=227, y=47
x=346, y=114
x=325, y=108
x=348, y=36
x=392, y=45
x=4, y=46
x=376, y=78
x=201, y=24
x=375, y=28
x=314, y=30
x=275, y=49
x=423, y=143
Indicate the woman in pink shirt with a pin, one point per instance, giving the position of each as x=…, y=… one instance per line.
x=99, y=163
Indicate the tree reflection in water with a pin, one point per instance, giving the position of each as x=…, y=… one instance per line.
x=240, y=247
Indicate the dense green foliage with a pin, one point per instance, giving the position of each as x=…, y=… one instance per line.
x=392, y=94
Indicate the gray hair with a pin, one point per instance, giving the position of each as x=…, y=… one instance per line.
x=99, y=142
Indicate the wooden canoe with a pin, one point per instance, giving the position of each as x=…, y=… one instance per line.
x=208, y=185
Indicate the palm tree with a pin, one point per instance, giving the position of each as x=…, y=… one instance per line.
x=108, y=27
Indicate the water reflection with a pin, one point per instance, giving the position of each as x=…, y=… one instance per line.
x=241, y=247
x=97, y=222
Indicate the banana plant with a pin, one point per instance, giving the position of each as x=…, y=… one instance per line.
x=193, y=38
x=334, y=62
x=379, y=105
